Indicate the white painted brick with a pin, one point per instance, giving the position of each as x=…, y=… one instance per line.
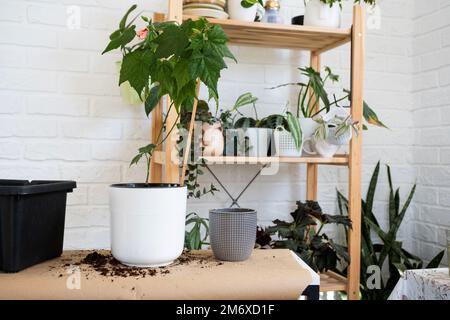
x=105, y=63
x=58, y=105
x=27, y=80
x=79, y=196
x=12, y=11
x=7, y=127
x=435, y=176
x=89, y=84
x=427, y=117
x=445, y=155
x=71, y=151
x=80, y=39
x=10, y=150
x=28, y=36
x=11, y=103
x=32, y=127
x=427, y=195
x=425, y=81
x=444, y=76
x=116, y=108
x=98, y=194
x=29, y=172
x=11, y=56
x=86, y=238
x=92, y=129
x=434, y=21
x=137, y=130
x=91, y=173
x=51, y=14
x=434, y=137
x=444, y=197
x=57, y=60
x=116, y=151
x=436, y=59
x=446, y=37
x=84, y=216
x=425, y=232
x=425, y=155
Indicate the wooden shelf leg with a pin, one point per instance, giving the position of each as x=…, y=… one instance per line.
x=354, y=206
x=172, y=172
x=157, y=123
x=312, y=169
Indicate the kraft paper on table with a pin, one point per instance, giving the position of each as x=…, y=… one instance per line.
x=268, y=274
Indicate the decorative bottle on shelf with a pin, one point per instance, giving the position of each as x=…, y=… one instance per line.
x=272, y=12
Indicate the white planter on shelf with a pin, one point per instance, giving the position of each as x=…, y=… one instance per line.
x=319, y=14
x=285, y=144
x=258, y=141
x=308, y=126
x=147, y=223
x=238, y=12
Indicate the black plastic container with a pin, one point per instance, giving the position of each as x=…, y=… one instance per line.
x=298, y=20
x=32, y=218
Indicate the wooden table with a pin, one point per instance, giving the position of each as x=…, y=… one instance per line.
x=268, y=274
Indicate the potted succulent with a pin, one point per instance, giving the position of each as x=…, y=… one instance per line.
x=161, y=59
x=243, y=10
x=326, y=13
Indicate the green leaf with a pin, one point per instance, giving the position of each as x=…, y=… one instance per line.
x=296, y=131
x=152, y=100
x=172, y=41
x=136, y=69
x=207, y=69
x=372, y=188
x=136, y=159
x=120, y=38
x=125, y=17
x=244, y=100
x=436, y=261
x=371, y=117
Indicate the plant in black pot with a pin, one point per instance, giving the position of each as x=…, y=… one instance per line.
x=161, y=59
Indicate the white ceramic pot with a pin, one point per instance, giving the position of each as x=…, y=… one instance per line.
x=238, y=12
x=285, y=144
x=320, y=147
x=258, y=141
x=342, y=140
x=308, y=126
x=212, y=141
x=319, y=14
x=147, y=223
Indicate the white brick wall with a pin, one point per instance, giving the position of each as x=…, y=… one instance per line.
x=431, y=83
x=61, y=116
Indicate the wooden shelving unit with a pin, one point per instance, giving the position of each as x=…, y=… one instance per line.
x=317, y=41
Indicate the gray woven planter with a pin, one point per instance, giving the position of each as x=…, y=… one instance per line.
x=232, y=233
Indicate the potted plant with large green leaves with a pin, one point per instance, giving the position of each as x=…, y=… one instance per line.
x=326, y=13
x=161, y=59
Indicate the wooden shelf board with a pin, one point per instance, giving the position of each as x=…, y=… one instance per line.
x=260, y=34
x=269, y=35
x=330, y=281
x=336, y=160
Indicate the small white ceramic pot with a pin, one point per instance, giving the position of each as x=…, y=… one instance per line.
x=285, y=144
x=342, y=140
x=258, y=141
x=212, y=140
x=319, y=14
x=238, y=12
x=147, y=223
x=308, y=126
x=320, y=147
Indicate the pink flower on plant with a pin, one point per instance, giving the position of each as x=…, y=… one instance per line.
x=142, y=34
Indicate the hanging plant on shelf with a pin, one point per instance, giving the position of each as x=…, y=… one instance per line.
x=168, y=59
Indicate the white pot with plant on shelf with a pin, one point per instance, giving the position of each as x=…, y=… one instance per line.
x=148, y=219
x=243, y=10
x=327, y=13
